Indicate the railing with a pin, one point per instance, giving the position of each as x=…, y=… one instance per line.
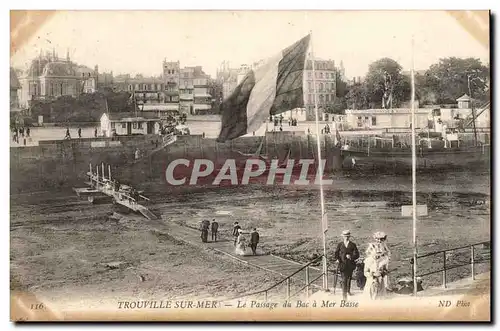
x=472, y=261
x=306, y=287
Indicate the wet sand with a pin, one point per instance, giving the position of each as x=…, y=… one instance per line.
x=62, y=246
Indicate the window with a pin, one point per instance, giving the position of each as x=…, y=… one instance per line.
x=321, y=87
x=374, y=120
x=309, y=74
x=327, y=97
x=130, y=87
x=140, y=125
x=320, y=75
x=309, y=86
x=124, y=125
x=360, y=123
x=309, y=98
x=134, y=125
x=113, y=125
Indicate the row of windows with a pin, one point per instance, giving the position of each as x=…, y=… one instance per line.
x=170, y=72
x=325, y=75
x=145, y=87
x=321, y=86
x=322, y=98
x=135, y=125
x=362, y=123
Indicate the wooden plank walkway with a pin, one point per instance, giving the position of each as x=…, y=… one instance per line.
x=268, y=262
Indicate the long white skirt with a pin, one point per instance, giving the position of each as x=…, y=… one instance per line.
x=374, y=288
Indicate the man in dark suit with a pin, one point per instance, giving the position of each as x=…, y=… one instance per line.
x=254, y=240
x=215, y=229
x=346, y=253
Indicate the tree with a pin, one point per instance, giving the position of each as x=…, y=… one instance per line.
x=357, y=96
x=448, y=78
x=382, y=72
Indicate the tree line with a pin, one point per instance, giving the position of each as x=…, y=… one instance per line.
x=441, y=83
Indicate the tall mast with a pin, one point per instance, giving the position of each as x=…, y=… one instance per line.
x=414, y=171
x=324, y=221
x=473, y=111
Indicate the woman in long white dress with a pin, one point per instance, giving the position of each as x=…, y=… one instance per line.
x=241, y=243
x=373, y=271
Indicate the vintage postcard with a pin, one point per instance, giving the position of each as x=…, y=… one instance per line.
x=250, y=166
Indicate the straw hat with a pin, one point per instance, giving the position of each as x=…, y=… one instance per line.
x=346, y=233
x=379, y=235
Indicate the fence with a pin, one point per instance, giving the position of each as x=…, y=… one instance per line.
x=308, y=283
x=474, y=258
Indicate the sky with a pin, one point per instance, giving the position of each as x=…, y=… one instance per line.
x=137, y=42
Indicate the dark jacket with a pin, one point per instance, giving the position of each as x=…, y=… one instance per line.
x=254, y=239
x=235, y=230
x=215, y=226
x=341, y=253
x=205, y=225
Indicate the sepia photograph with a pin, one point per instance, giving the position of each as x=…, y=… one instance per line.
x=250, y=165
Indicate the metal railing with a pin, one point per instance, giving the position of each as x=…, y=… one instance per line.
x=308, y=283
x=472, y=261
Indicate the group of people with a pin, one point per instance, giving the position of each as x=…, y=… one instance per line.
x=23, y=132
x=240, y=241
x=375, y=265
x=205, y=226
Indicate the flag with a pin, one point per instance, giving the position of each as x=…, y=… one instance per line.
x=272, y=88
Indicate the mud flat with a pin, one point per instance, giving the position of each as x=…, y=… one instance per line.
x=60, y=247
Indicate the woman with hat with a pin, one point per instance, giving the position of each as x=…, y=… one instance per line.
x=382, y=253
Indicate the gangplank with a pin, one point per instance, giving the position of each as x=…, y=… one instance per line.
x=123, y=195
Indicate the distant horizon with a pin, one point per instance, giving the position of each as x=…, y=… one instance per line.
x=242, y=37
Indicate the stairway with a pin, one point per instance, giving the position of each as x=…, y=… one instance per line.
x=167, y=140
x=468, y=121
x=146, y=213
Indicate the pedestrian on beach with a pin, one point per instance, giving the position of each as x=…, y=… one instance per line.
x=215, y=229
x=79, y=132
x=95, y=132
x=204, y=230
x=254, y=240
x=381, y=251
x=67, y=136
x=28, y=132
x=346, y=254
x=236, y=232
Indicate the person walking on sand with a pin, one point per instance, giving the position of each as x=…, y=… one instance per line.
x=79, y=132
x=215, y=229
x=67, y=136
x=346, y=254
x=236, y=232
x=204, y=230
x=254, y=240
x=95, y=133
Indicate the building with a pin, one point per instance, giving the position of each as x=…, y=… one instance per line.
x=171, y=77
x=14, y=89
x=129, y=124
x=194, y=93
x=326, y=87
x=49, y=77
x=228, y=78
x=370, y=119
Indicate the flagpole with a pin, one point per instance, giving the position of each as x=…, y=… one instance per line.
x=324, y=224
x=413, y=172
